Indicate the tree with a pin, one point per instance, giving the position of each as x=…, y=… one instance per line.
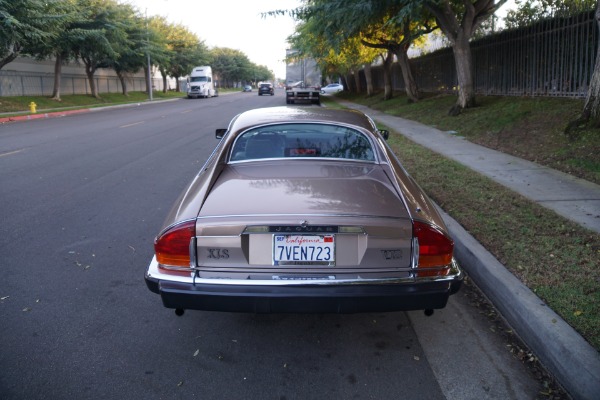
x=158, y=47
x=233, y=66
x=26, y=24
x=98, y=50
x=389, y=26
x=57, y=44
x=459, y=20
x=131, y=52
x=531, y=11
x=591, y=107
x=386, y=25
x=185, y=52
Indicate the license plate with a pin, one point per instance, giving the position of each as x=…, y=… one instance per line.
x=303, y=249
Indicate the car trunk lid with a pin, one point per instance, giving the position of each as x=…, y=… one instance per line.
x=303, y=187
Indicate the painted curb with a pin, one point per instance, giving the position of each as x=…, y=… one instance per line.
x=44, y=115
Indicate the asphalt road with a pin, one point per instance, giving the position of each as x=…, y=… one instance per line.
x=81, y=199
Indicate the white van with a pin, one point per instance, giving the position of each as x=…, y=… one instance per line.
x=200, y=83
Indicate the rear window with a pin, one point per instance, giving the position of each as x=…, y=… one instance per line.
x=302, y=141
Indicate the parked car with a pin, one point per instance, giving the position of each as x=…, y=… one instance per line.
x=247, y=88
x=266, y=88
x=303, y=210
x=332, y=88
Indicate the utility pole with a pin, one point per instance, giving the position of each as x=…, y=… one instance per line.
x=148, y=55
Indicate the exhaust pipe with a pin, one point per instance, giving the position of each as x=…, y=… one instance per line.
x=429, y=312
x=179, y=312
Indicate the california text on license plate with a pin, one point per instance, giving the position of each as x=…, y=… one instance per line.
x=303, y=249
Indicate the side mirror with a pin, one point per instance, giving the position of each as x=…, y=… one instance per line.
x=385, y=133
x=220, y=133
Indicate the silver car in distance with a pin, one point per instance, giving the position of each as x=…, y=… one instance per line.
x=303, y=210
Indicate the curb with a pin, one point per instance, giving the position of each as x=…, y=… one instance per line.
x=45, y=115
x=561, y=349
x=57, y=114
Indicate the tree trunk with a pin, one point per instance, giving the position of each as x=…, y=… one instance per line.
x=89, y=71
x=123, y=79
x=464, y=74
x=410, y=85
x=369, y=79
x=591, y=108
x=349, y=82
x=388, y=59
x=345, y=82
x=357, y=81
x=57, y=76
x=164, y=79
x=11, y=57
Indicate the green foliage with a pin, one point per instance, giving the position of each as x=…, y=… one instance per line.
x=25, y=24
x=108, y=34
x=234, y=66
x=531, y=11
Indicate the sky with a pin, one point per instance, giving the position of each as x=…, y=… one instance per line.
x=236, y=24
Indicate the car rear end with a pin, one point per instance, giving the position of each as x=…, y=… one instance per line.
x=304, y=243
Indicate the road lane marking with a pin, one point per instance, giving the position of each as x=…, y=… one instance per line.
x=11, y=152
x=128, y=125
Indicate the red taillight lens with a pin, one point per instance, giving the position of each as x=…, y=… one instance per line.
x=172, y=248
x=435, y=248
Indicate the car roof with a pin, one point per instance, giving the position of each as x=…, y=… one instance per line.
x=271, y=115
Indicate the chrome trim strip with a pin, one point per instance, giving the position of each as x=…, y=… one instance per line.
x=456, y=274
x=352, y=160
x=415, y=254
x=193, y=252
x=302, y=215
x=183, y=221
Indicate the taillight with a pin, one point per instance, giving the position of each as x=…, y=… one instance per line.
x=172, y=248
x=435, y=249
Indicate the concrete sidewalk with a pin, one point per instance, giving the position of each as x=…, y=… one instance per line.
x=569, y=357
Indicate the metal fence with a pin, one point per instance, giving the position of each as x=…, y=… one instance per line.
x=554, y=57
x=14, y=83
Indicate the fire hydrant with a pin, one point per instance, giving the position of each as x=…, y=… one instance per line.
x=32, y=107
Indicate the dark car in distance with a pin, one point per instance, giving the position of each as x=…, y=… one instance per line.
x=266, y=88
